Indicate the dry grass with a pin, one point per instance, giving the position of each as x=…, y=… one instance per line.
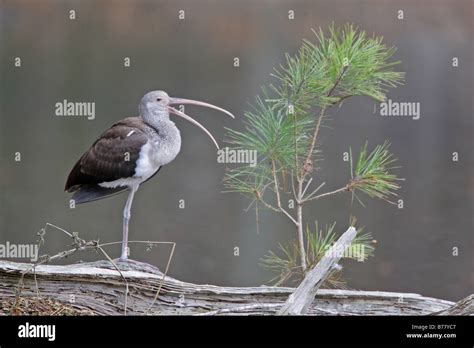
x=39, y=306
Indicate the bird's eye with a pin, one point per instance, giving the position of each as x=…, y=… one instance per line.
x=158, y=99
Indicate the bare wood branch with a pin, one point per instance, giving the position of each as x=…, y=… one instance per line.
x=314, y=192
x=300, y=301
x=306, y=186
x=268, y=205
x=342, y=189
x=277, y=192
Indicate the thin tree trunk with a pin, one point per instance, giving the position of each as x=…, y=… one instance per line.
x=299, y=218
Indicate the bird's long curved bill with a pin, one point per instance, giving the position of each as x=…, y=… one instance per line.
x=174, y=101
x=187, y=118
x=196, y=123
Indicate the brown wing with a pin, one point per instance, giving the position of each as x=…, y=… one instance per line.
x=112, y=156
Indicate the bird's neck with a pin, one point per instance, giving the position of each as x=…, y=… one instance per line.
x=164, y=127
x=166, y=140
x=158, y=122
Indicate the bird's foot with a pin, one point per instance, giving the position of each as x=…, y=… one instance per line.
x=122, y=259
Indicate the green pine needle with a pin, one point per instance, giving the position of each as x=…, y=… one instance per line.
x=340, y=63
x=372, y=173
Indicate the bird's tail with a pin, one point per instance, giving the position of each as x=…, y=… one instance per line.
x=89, y=193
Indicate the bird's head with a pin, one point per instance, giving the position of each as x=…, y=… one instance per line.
x=158, y=104
x=155, y=103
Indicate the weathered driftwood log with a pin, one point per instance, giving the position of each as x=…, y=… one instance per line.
x=99, y=288
x=300, y=301
x=463, y=307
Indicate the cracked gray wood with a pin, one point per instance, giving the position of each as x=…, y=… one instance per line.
x=300, y=301
x=97, y=286
x=463, y=307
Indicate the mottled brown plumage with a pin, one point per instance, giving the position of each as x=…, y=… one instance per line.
x=113, y=156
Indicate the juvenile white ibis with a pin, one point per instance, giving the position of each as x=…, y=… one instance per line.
x=131, y=152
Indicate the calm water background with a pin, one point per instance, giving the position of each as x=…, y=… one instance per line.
x=82, y=60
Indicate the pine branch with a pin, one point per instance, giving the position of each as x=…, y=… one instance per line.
x=372, y=174
x=282, y=128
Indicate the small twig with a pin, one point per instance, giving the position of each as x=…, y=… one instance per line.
x=306, y=186
x=164, y=276
x=315, y=191
x=59, y=228
x=342, y=189
x=259, y=197
x=81, y=244
x=268, y=205
x=277, y=192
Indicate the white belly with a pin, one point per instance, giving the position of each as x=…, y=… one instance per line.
x=147, y=163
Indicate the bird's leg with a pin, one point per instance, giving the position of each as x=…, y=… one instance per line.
x=126, y=218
